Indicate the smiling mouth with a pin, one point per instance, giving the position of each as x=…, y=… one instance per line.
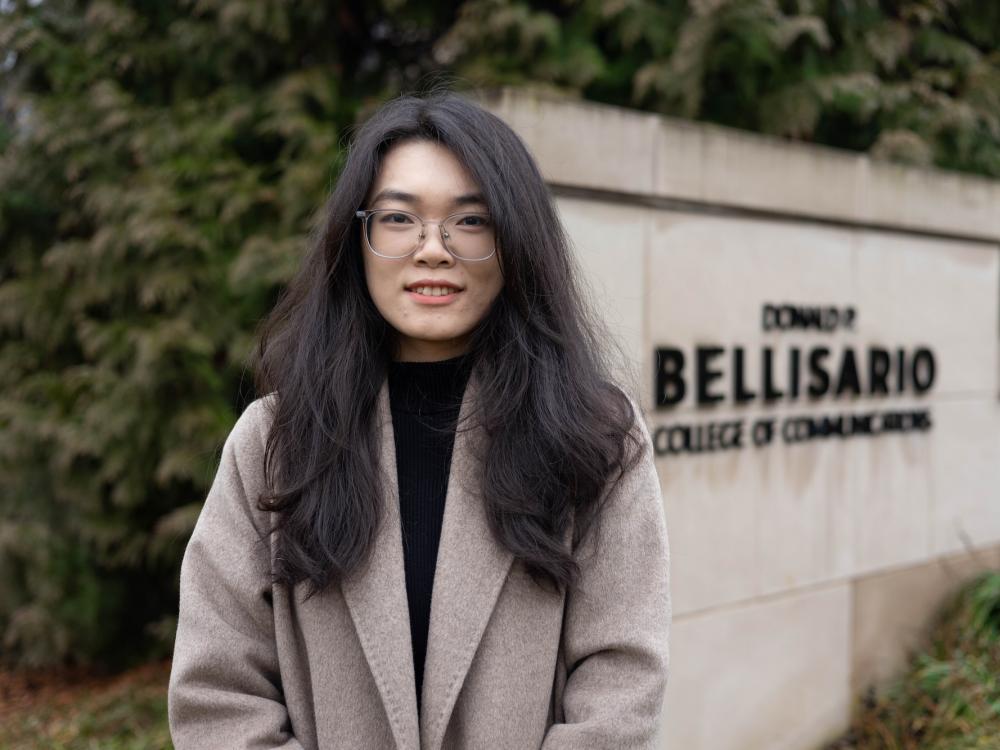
x=433, y=291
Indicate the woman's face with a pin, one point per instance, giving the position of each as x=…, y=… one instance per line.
x=425, y=178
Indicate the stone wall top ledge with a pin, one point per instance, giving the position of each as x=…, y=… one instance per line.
x=617, y=150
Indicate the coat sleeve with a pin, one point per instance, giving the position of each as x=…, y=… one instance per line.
x=225, y=687
x=615, y=635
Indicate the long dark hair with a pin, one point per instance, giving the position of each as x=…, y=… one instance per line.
x=559, y=432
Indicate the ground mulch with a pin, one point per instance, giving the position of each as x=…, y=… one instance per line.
x=25, y=690
x=71, y=707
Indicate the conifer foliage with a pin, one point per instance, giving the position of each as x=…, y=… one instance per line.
x=914, y=81
x=160, y=164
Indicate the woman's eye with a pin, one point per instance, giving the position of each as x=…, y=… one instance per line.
x=474, y=220
x=395, y=218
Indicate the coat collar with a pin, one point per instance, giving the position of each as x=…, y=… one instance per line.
x=470, y=571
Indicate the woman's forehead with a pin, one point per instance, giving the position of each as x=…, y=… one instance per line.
x=421, y=173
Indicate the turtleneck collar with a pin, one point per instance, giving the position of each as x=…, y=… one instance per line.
x=428, y=387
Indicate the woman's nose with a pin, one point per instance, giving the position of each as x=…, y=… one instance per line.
x=431, y=248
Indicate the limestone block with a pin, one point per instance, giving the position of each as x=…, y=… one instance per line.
x=771, y=675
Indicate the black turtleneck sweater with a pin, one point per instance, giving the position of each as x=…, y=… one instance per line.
x=424, y=399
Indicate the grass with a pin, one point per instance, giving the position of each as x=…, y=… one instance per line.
x=75, y=711
x=949, y=696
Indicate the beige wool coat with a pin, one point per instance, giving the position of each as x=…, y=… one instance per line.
x=508, y=665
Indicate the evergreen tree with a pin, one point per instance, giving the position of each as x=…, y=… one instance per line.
x=160, y=166
x=916, y=81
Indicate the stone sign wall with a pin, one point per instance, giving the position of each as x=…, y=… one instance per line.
x=814, y=339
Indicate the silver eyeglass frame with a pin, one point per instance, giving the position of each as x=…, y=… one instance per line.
x=365, y=214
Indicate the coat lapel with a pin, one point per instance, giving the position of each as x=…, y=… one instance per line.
x=376, y=598
x=470, y=571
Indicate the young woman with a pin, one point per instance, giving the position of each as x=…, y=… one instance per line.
x=441, y=527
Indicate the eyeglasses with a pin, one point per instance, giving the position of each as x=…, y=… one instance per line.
x=392, y=233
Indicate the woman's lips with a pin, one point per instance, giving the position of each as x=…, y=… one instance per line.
x=428, y=299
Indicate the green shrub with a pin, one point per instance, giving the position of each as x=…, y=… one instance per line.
x=949, y=697
x=911, y=81
x=159, y=171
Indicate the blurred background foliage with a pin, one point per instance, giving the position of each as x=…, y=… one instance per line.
x=161, y=164
x=160, y=167
x=914, y=81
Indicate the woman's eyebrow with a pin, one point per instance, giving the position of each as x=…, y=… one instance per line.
x=413, y=200
x=469, y=199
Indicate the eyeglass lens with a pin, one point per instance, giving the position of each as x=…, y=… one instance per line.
x=397, y=233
